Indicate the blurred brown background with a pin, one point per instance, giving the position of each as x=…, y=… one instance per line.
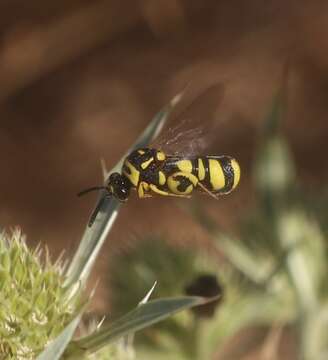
x=79, y=80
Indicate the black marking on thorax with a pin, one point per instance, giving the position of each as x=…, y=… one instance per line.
x=150, y=174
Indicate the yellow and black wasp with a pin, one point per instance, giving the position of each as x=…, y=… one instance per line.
x=151, y=171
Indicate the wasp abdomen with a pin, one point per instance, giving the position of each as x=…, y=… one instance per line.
x=220, y=174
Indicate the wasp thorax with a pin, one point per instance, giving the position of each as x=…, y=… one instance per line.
x=119, y=186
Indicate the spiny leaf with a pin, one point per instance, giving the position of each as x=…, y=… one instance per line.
x=55, y=349
x=95, y=235
x=143, y=316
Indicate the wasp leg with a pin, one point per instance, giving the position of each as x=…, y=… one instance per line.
x=143, y=190
x=208, y=191
x=156, y=190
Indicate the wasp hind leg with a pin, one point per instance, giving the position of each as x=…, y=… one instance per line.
x=210, y=193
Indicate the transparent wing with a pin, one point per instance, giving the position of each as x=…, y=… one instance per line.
x=190, y=129
x=178, y=140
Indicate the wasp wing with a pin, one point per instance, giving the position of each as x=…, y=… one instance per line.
x=190, y=133
x=179, y=141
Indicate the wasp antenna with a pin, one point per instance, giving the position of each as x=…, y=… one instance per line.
x=94, y=188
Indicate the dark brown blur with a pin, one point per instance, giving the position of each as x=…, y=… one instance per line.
x=79, y=80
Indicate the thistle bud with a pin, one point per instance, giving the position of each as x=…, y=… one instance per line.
x=35, y=306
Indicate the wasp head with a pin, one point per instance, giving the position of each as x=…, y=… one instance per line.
x=119, y=186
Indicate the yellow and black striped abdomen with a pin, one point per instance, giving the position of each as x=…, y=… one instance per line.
x=219, y=174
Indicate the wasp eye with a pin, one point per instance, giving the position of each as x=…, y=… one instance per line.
x=160, y=156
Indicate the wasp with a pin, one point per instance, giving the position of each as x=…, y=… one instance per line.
x=150, y=172
x=172, y=166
